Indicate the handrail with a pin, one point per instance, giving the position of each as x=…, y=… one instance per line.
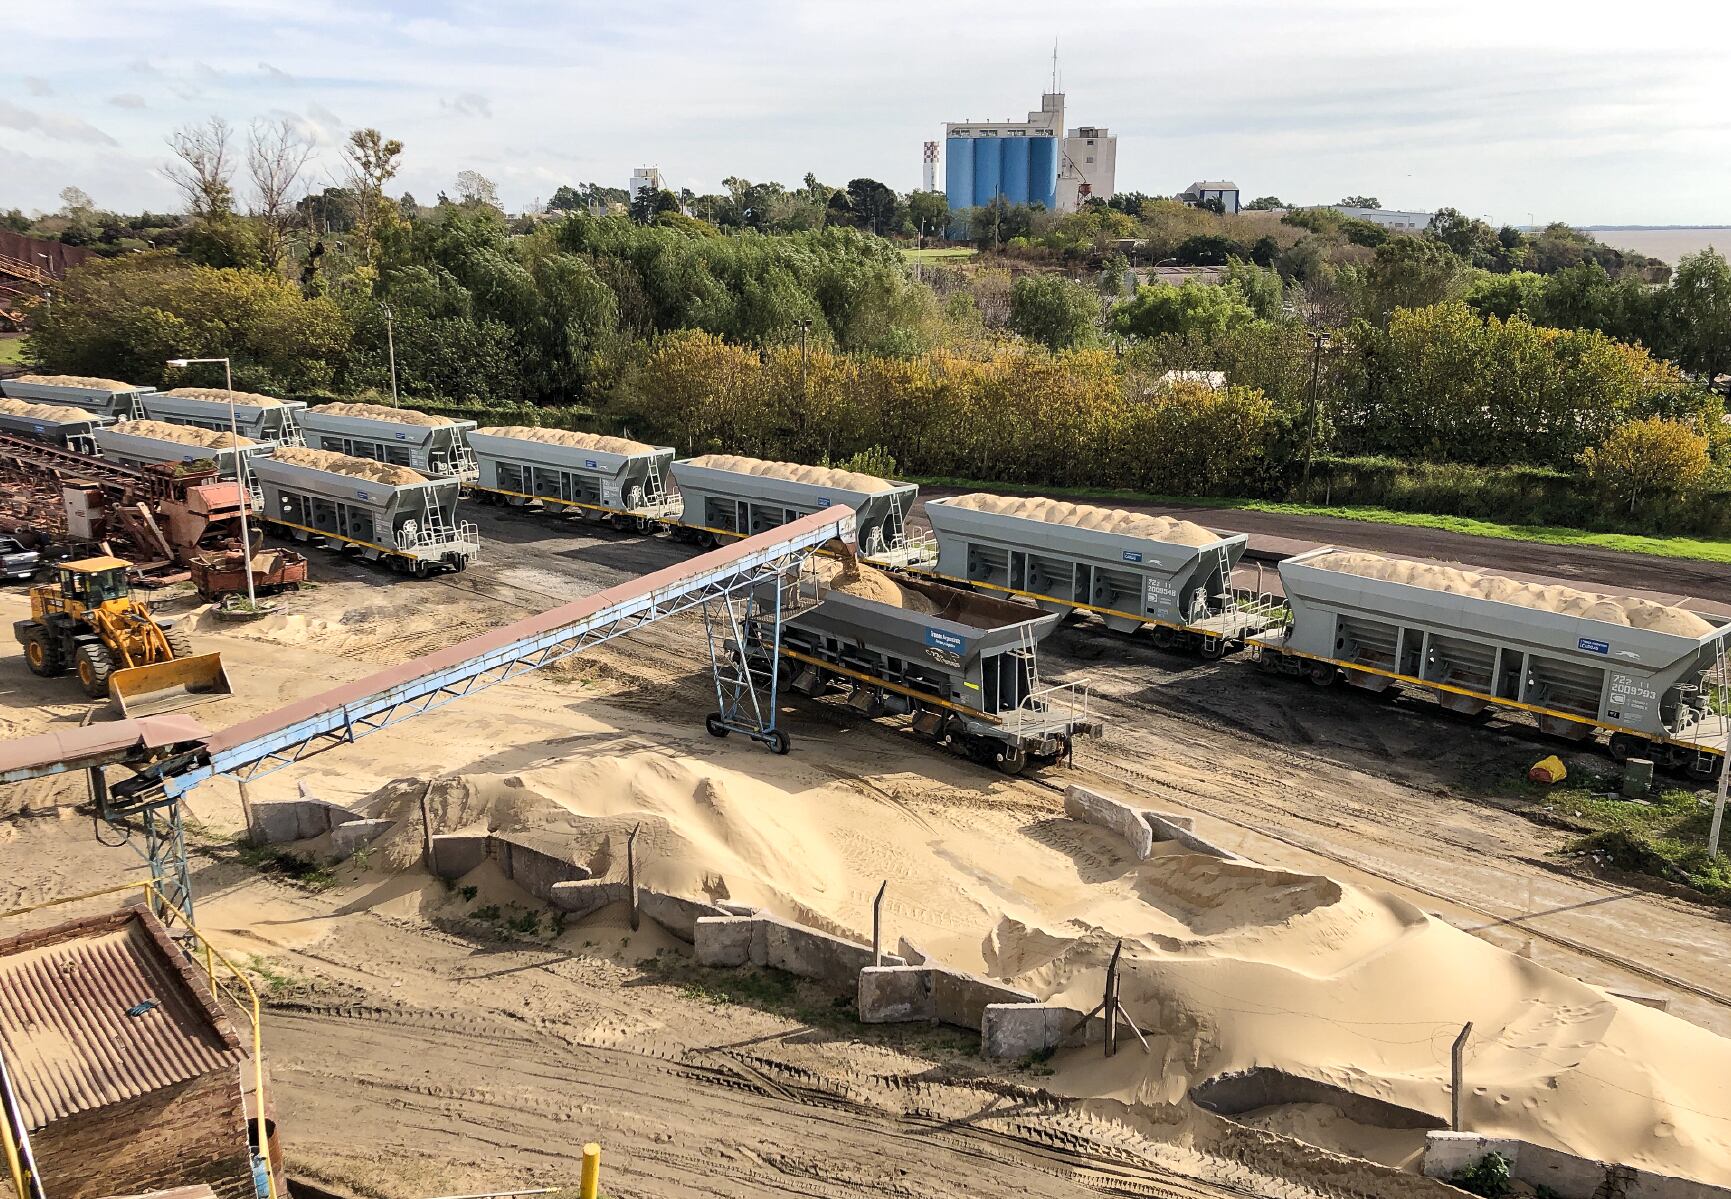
x=170, y=914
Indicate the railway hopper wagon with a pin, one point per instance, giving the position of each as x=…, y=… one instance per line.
x=258, y=418
x=143, y=443
x=104, y=397
x=436, y=446
x=961, y=664
x=57, y=425
x=1650, y=675
x=725, y=495
x=600, y=478
x=382, y=513
x=1129, y=568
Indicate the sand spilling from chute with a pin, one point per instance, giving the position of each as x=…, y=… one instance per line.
x=54, y=414
x=865, y=582
x=345, y=464
x=399, y=416
x=88, y=382
x=577, y=441
x=1086, y=516
x=221, y=395
x=793, y=472
x=1611, y=609
x=183, y=434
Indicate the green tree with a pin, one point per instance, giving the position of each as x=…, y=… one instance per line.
x=1194, y=310
x=1697, y=314
x=1471, y=239
x=1410, y=272
x=1519, y=293
x=1056, y=312
x=565, y=199
x=372, y=160
x=1648, y=458
x=1262, y=287
x=1264, y=203
x=1359, y=202
x=929, y=212
x=873, y=204
x=651, y=202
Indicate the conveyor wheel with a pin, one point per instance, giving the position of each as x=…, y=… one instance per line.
x=712, y=723
x=779, y=742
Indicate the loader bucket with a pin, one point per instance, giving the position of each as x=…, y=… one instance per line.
x=168, y=686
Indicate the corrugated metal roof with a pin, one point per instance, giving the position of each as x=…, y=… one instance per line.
x=70, y=1045
x=108, y=740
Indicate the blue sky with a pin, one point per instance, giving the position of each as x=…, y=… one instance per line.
x=1586, y=111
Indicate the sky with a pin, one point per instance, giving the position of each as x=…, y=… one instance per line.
x=1515, y=110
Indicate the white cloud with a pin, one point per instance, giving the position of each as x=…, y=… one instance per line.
x=128, y=100
x=38, y=87
x=276, y=73
x=469, y=104
x=56, y=126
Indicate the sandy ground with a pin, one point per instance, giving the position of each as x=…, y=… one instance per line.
x=384, y=1019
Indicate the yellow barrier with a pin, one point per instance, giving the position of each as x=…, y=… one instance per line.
x=591, y=1187
x=212, y=955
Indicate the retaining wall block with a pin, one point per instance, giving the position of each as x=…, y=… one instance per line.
x=353, y=834
x=1563, y=1174
x=674, y=913
x=1091, y=807
x=1011, y=1031
x=961, y=999
x=895, y=994
x=724, y=940
x=531, y=869
x=277, y=821
x=455, y=854
x=811, y=954
x=1177, y=828
x=582, y=896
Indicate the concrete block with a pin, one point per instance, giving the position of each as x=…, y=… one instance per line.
x=582, y=896
x=536, y=872
x=1091, y=807
x=1164, y=822
x=275, y=822
x=895, y=994
x=1177, y=828
x=811, y=954
x=677, y=915
x=736, y=909
x=724, y=940
x=1010, y=1031
x=353, y=834
x=455, y=854
x=913, y=953
x=1637, y=777
x=961, y=999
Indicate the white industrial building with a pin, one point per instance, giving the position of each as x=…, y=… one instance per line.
x=1034, y=161
x=1388, y=218
x=1204, y=190
x=1089, y=167
x=646, y=178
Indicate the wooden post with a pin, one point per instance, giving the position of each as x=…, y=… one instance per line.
x=1457, y=1071
x=426, y=828
x=1110, y=1004
x=246, y=809
x=878, y=925
x=631, y=886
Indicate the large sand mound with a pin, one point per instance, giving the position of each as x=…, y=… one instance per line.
x=1612, y=609
x=89, y=382
x=579, y=441
x=793, y=472
x=57, y=414
x=400, y=416
x=183, y=434
x=344, y=464
x=222, y=395
x=1086, y=516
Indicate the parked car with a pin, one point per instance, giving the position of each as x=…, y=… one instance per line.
x=17, y=564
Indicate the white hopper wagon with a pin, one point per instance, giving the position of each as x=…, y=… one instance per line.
x=256, y=417
x=129, y=448
x=1129, y=569
x=1651, y=688
x=411, y=525
x=603, y=478
x=436, y=446
x=727, y=496
x=104, y=397
x=51, y=424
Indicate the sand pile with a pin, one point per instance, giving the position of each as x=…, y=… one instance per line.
x=1612, y=609
x=401, y=416
x=56, y=414
x=579, y=441
x=344, y=464
x=221, y=395
x=866, y=582
x=817, y=476
x=1085, y=516
x=184, y=434
x=89, y=382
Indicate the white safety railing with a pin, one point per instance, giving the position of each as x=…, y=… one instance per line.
x=1051, y=708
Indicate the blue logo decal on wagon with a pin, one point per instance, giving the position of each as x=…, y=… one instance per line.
x=590, y=463
x=1593, y=647
x=1132, y=555
x=938, y=639
x=361, y=495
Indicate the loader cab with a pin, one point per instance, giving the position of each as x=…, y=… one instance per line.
x=92, y=582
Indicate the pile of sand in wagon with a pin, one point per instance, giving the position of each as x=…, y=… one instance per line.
x=1086, y=516
x=793, y=472
x=89, y=382
x=401, y=416
x=221, y=395
x=577, y=441
x=183, y=434
x=1612, y=609
x=858, y=579
x=345, y=464
x=54, y=414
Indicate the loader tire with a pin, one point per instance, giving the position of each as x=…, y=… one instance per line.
x=179, y=643
x=42, y=655
x=93, y=665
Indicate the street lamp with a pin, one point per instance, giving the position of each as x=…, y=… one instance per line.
x=239, y=472
x=391, y=342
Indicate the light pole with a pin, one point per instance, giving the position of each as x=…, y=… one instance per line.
x=239, y=472
x=1320, y=340
x=391, y=343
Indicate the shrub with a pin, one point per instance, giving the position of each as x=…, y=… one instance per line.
x=1648, y=457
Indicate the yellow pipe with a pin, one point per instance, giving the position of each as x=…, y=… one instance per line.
x=591, y=1187
x=13, y=1162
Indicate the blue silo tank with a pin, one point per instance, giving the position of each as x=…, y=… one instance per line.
x=959, y=172
x=988, y=169
x=1043, y=171
x=1015, y=174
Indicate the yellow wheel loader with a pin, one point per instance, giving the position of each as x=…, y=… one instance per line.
x=88, y=622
